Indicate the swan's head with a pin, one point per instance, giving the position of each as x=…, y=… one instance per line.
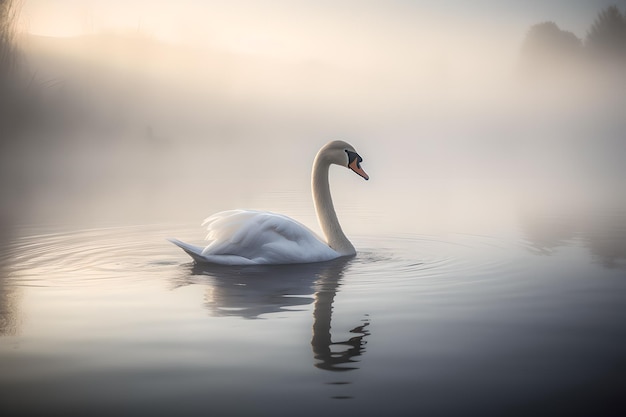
x=342, y=153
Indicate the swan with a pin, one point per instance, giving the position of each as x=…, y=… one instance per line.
x=250, y=237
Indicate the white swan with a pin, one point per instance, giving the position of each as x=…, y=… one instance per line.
x=247, y=237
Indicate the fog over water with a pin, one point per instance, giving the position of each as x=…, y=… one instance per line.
x=491, y=236
x=434, y=98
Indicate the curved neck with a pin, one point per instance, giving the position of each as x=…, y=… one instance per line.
x=326, y=215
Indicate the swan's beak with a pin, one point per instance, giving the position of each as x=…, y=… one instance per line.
x=355, y=166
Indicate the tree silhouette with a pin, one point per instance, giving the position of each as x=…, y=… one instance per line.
x=607, y=36
x=8, y=48
x=12, y=113
x=547, y=48
x=549, y=52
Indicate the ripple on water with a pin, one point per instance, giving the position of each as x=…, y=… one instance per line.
x=88, y=256
x=91, y=256
x=435, y=263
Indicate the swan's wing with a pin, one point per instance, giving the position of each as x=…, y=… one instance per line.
x=263, y=238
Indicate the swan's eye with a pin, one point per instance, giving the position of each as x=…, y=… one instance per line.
x=352, y=156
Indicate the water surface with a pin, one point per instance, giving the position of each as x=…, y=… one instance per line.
x=116, y=320
x=490, y=278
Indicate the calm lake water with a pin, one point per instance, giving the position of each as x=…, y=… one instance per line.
x=518, y=312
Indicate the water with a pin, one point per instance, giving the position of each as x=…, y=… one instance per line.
x=471, y=293
x=490, y=278
x=115, y=320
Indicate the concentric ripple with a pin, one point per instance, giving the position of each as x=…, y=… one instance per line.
x=87, y=256
x=132, y=253
x=436, y=262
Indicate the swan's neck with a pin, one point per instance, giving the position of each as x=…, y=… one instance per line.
x=326, y=215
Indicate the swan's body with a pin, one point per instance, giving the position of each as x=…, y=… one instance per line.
x=247, y=237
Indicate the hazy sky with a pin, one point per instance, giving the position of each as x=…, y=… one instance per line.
x=434, y=78
x=221, y=21
x=421, y=36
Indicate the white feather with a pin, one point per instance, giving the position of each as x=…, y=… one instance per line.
x=248, y=237
x=257, y=237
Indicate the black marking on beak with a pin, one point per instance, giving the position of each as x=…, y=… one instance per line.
x=354, y=163
x=352, y=156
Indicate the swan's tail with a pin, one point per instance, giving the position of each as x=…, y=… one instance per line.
x=194, y=251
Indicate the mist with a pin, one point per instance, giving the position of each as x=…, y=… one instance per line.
x=482, y=263
x=154, y=112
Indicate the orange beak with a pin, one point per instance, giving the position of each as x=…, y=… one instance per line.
x=354, y=166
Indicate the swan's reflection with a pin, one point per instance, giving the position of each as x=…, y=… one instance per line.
x=333, y=354
x=249, y=292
